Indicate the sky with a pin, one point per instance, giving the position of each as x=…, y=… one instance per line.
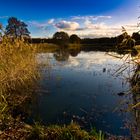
x=86, y=18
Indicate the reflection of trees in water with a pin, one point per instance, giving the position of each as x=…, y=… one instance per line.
x=75, y=52
x=133, y=52
x=63, y=54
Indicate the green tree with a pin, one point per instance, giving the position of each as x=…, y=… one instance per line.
x=74, y=39
x=61, y=38
x=0, y=26
x=136, y=36
x=16, y=28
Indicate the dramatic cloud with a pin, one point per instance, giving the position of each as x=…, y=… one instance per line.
x=67, y=25
x=83, y=26
x=97, y=30
x=89, y=27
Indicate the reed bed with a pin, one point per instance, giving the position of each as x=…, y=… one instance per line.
x=18, y=72
x=17, y=64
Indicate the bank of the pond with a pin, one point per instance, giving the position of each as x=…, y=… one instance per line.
x=18, y=72
x=21, y=131
x=49, y=47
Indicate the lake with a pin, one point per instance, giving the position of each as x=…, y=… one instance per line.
x=83, y=87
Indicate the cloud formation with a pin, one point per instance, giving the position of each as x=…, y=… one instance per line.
x=38, y=25
x=51, y=21
x=94, y=18
x=4, y=17
x=41, y=25
x=85, y=26
x=67, y=25
x=101, y=29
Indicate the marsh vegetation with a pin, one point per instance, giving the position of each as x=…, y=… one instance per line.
x=75, y=83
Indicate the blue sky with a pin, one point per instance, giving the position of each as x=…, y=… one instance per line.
x=87, y=18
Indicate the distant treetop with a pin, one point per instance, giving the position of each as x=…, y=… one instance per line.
x=75, y=39
x=61, y=36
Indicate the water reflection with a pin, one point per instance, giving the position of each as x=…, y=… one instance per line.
x=63, y=54
x=82, y=87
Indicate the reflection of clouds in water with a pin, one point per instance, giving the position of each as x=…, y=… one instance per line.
x=87, y=60
x=84, y=61
x=43, y=58
x=72, y=62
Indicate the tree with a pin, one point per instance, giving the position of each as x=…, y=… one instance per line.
x=0, y=29
x=61, y=38
x=136, y=36
x=74, y=39
x=16, y=28
x=0, y=32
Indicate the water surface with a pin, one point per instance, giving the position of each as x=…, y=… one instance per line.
x=83, y=88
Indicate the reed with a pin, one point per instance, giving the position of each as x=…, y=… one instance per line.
x=17, y=64
x=18, y=71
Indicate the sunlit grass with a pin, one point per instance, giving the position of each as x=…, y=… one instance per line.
x=45, y=47
x=17, y=64
x=18, y=71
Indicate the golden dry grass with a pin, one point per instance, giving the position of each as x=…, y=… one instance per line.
x=17, y=64
x=18, y=70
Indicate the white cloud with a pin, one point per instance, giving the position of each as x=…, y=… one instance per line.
x=89, y=27
x=4, y=17
x=51, y=21
x=94, y=18
x=94, y=29
x=85, y=26
x=39, y=25
x=67, y=25
x=97, y=26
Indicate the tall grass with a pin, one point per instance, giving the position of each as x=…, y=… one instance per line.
x=17, y=64
x=18, y=70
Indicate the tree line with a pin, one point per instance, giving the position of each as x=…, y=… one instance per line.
x=17, y=29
